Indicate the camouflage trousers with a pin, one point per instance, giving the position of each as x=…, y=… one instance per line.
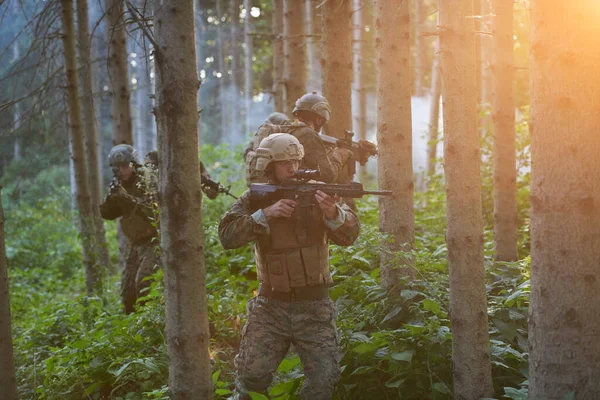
x=274, y=325
x=140, y=262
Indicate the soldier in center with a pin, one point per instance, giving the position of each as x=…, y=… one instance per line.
x=292, y=256
x=312, y=112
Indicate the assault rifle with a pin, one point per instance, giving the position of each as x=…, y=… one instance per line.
x=361, y=150
x=305, y=192
x=207, y=182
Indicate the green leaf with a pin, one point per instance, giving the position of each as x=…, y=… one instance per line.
x=223, y=391
x=441, y=387
x=365, y=348
x=395, y=311
x=288, y=364
x=408, y=294
x=362, y=370
x=215, y=377
x=283, y=388
x=416, y=329
x=434, y=307
x=403, y=356
x=395, y=384
x=515, y=394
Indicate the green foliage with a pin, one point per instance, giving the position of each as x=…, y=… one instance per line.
x=69, y=346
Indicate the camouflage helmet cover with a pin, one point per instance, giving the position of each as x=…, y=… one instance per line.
x=278, y=147
x=315, y=103
x=276, y=118
x=122, y=154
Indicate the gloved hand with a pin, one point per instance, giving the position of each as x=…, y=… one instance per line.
x=211, y=193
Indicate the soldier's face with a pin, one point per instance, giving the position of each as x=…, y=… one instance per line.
x=123, y=171
x=285, y=169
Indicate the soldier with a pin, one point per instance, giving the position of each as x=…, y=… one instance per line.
x=277, y=118
x=130, y=199
x=312, y=111
x=292, y=255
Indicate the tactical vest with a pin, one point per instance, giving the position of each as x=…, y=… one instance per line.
x=137, y=225
x=296, y=252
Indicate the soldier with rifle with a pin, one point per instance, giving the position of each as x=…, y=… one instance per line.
x=290, y=220
x=312, y=112
x=130, y=199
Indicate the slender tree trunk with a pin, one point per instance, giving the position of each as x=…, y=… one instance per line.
x=248, y=81
x=17, y=150
x=486, y=53
x=119, y=77
x=91, y=135
x=182, y=238
x=279, y=89
x=313, y=45
x=226, y=131
x=419, y=49
x=394, y=137
x=336, y=61
x=295, y=51
x=505, y=168
x=84, y=203
x=564, y=328
x=8, y=382
x=464, y=236
x=434, y=112
x=235, y=81
x=360, y=92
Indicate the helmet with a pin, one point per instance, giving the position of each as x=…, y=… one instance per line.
x=122, y=154
x=278, y=147
x=315, y=103
x=276, y=118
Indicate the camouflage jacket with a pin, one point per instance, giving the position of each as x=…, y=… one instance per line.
x=134, y=203
x=315, y=154
x=238, y=228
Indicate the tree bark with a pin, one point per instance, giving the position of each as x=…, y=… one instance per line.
x=180, y=196
x=434, y=112
x=91, y=135
x=226, y=131
x=419, y=49
x=248, y=81
x=295, y=51
x=119, y=76
x=279, y=90
x=8, y=381
x=235, y=81
x=486, y=54
x=313, y=45
x=503, y=117
x=84, y=203
x=336, y=62
x=394, y=137
x=360, y=93
x=464, y=236
x=564, y=328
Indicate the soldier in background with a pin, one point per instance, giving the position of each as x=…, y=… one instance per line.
x=292, y=255
x=312, y=112
x=277, y=118
x=131, y=199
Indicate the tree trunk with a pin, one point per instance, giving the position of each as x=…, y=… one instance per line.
x=464, y=236
x=360, y=93
x=313, y=45
x=434, y=112
x=295, y=51
x=235, y=81
x=505, y=168
x=226, y=131
x=84, y=203
x=279, y=90
x=394, y=137
x=248, y=82
x=486, y=54
x=182, y=238
x=8, y=381
x=419, y=49
x=91, y=135
x=565, y=221
x=336, y=61
x=119, y=77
